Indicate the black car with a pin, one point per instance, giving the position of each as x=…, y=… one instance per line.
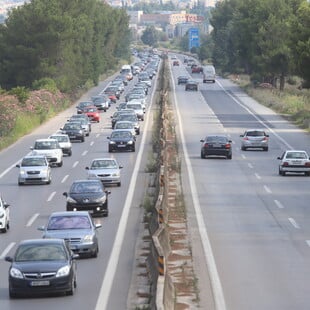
x=74, y=131
x=82, y=105
x=182, y=79
x=216, y=146
x=42, y=266
x=191, y=85
x=88, y=195
x=122, y=140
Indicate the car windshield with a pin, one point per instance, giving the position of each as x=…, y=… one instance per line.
x=296, y=155
x=104, y=164
x=216, y=139
x=30, y=162
x=68, y=222
x=86, y=187
x=60, y=138
x=124, y=126
x=121, y=134
x=255, y=133
x=72, y=126
x=37, y=252
x=45, y=145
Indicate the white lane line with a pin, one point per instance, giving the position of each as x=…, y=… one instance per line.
x=267, y=189
x=250, y=165
x=65, y=178
x=85, y=152
x=75, y=164
x=51, y=196
x=279, y=204
x=92, y=143
x=108, y=279
x=216, y=285
x=308, y=242
x=243, y=156
x=97, y=135
x=7, y=250
x=258, y=177
x=294, y=223
x=32, y=219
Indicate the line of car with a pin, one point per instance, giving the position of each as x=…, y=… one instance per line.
x=48, y=265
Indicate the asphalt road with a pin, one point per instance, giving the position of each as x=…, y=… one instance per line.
x=250, y=227
x=104, y=282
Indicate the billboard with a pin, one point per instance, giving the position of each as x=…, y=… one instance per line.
x=193, y=38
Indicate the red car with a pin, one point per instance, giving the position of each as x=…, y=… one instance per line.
x=196, y=69
x=92, y=113
x=176, y=63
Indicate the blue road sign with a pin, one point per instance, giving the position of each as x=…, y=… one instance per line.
x=193, y=38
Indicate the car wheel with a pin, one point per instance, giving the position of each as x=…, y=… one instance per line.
x=243, y=148
x=70, y=153
x=110, y=150
x=202, y=155
x=60, y=164
x=69, y=208
x=119, y=184
x=72, y=288
x=95, y=252
x=133, y=148
x=20, y=183
x=87, y=135
x=82, y=139
x=307, y=173
x=49, y=181
x=229, y=156
x=265, y=149
x=12, y=294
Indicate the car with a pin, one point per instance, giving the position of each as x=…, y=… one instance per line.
x=81, y=105
x=64, y=142
x=101, y=102
x=4, y=215
x=92, y=113
x=80, y=116
x=121, y=140
x=74, y=131
x=87, y=195
x=113, y=90
x=138, y=108
x=107, y=170
x=216, y=145
x=84, y=124
x=75, y=227
x=49, y=148
x=131, y=117
x=34, y=169
x=121, y=125
x=121, y=77
x=42, y=266
x=197, y=69
x=254, y=139
x=294, y=161
x=116, y=115
x=121, y=106
x=176, y=63
x=182, y=79
x=191, y=85
x=208, y=74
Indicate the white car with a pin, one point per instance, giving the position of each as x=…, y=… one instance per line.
x=4, y=215
x=294, y=161
x=34, y=169
x=107, y=170
x=49, y=148
x=64, y=142
x=138, y=108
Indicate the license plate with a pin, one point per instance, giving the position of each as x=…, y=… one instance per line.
x=296, y=162
x=40, y=283
x=121, y=145
x=72, y=136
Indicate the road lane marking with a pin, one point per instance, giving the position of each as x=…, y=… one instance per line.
x=32, y=219
x=257, y=176
x=294, y=223
x=250, y=165
x=108, y=279
x=7, y=250
x=308, y=242
x=267, y=189
x=85, y=152
x=51, y=196
x=97, y=135
x=243, y=156
x=75, y=164
x=92, y=143
x=279, y=204
x=216, y=285
x=65, y=178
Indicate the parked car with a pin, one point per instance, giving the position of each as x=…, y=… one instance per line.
x=191, y=85
x=42, y=266
x=101, y=102
x=216, y=145
x=81, y=105
x=92, y=113
x=4, y=215
x=121, y=140
x=34, y=169
x=64, y=142
x=75, y=227
x=49, y=148
x=107, y=170
x=294, y=161
x=254, y=138
x=74, y=131
x=88, y=195
x=182, y=79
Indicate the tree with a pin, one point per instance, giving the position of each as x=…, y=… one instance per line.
x=150, y=36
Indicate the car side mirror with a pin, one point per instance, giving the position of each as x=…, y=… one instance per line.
x=98, y=226
x=87, y=168
x=278, y=157
x=120, y=166
x=31, y=148
x=201, y=140
x=8, y=259
x=241, y=136
x=6, y=205
x=18, y=166
x=107, y=192
x=229, y=141
x=41, y=228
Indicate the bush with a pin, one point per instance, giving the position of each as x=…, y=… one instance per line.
x=22, y=93
x=45, y=83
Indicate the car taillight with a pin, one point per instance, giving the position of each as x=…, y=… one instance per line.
x=285, y=163
x=227, y=146
x=265, y=138
x=206, y=145
x=245, y=138
x=307, y=164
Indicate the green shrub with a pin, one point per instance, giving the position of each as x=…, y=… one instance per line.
x=45, y=83
x=21, y=92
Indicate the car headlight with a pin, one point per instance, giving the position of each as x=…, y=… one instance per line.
x=63, y=271
x=112, y=142
x=22, y=172
x=100, y=199
x=71, y=200
x=45, y=170
x=130, y=142
x=92, y=175
x=16, y=273
x=115, y=174
x=88, y=238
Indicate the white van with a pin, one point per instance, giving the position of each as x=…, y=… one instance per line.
x=208, y=74
x=126, y=71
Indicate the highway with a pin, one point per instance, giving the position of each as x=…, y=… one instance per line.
x=250, y=226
